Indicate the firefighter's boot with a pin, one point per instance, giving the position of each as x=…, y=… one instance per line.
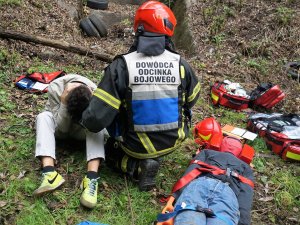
x=149, y=169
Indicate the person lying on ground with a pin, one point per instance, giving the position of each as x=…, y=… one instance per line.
x=144, y=99
x=216, y=188
x=68, y=96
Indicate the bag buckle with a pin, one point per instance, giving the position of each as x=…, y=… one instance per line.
x=208, y=212
x=229, y=173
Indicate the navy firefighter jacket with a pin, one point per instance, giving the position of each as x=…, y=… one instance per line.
x=150, y=97
x=224, y=160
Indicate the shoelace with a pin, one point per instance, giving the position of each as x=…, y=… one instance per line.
x=44, y=175
x=92, y=186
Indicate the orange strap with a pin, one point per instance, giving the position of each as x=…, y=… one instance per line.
x=183, y=181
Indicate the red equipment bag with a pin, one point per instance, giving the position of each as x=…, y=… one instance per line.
x=258, y=124
x=267, y=95
x=28, y=81
x=283, y=146
x=280, y=132
x=220, y=96
x=45, y=78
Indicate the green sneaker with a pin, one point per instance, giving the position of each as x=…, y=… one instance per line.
x=89, y=194
x=51, y=181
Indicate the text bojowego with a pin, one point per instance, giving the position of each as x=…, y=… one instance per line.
x=155, y=72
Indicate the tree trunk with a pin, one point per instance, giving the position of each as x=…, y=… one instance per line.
x=55, y=44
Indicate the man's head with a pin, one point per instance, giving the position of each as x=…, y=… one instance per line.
x=78, y=100
x=155, y=17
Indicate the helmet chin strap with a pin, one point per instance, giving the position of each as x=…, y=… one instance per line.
x=140, y=31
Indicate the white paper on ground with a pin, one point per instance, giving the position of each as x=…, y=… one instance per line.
x=249, y=135
x=40, y=86
x=238, y=131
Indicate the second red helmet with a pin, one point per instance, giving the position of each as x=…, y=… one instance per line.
x=155, y=17
x=208, y=133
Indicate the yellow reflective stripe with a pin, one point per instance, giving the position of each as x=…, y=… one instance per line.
x=181, y=135
x=146, y=143
x=107, y=98
x=205, y=138
x=124, y=163
x=214, y=97
x=182, y=72
x=195, y=92
x=148, y=155
x=292, y=155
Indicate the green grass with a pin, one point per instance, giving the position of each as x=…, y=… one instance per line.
x=289, y=192
x=284, y=15
x=259, y=64
x=5, y=104
x=118, y=203
x=10, y=2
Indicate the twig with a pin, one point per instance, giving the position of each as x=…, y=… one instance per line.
x=264, y=210
x=129, y=201
x=273, y=192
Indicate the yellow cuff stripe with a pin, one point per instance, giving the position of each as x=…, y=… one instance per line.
x=124, y=163
x=146, y=143
x=107, y=98
x=182, y=72
x=195, y=92
x=181, y=135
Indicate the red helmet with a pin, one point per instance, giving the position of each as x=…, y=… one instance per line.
x=208, y=133
x=155, y=17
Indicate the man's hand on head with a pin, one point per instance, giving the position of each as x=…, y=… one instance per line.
x=69, y=87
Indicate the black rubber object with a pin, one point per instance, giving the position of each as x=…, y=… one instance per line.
x=97, y=4
x=99, y=24
x=293, y=70
x=88, y=27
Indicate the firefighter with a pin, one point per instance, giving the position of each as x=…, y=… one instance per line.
x=145, y=98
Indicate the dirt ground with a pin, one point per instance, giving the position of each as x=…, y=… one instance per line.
x=250, y=44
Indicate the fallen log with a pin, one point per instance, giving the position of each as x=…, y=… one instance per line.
x=55, y=44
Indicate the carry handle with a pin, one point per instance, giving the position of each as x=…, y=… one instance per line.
x=169, y=206
x=235, y=102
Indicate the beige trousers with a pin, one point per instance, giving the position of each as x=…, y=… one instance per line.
x=46, y=133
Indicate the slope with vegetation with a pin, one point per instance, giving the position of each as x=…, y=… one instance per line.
x=244, y=41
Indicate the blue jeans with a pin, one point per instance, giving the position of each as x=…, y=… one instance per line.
x=208, y=193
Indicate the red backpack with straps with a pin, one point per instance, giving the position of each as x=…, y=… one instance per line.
x=242, y=151
x=37, y=82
